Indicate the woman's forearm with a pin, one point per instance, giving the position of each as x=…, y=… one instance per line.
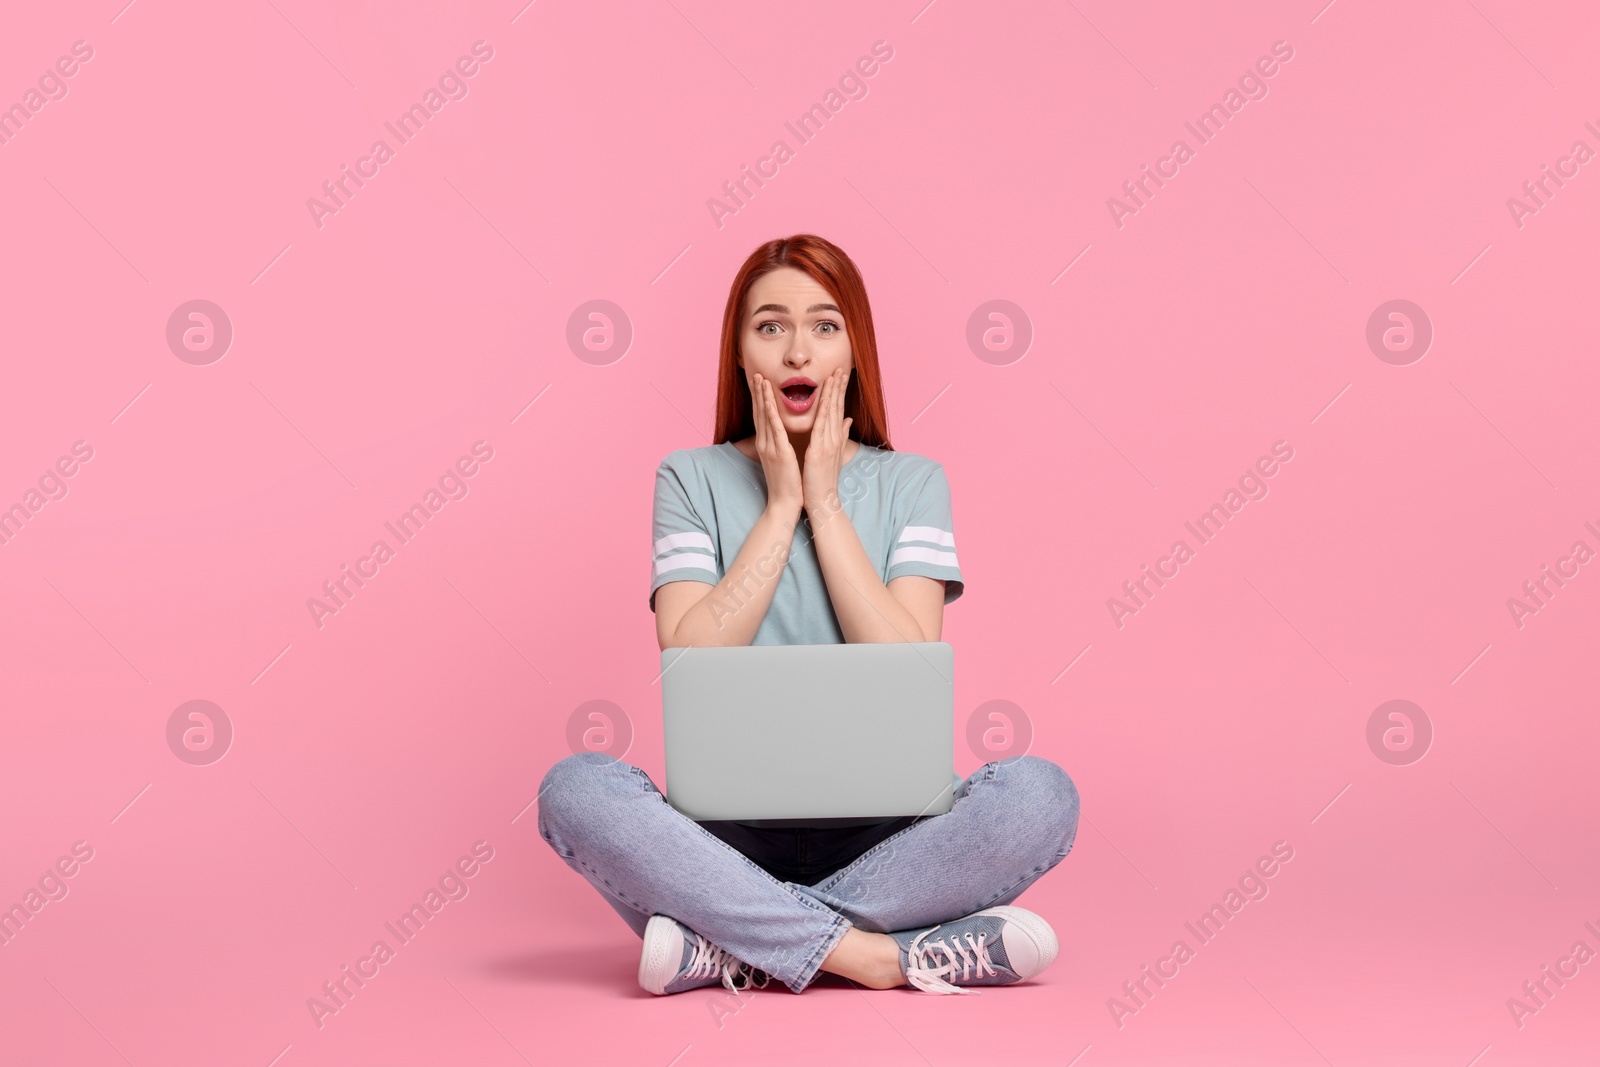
x=866, y=610
x=732, y=611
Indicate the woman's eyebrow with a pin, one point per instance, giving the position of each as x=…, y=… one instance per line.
x=783, y=309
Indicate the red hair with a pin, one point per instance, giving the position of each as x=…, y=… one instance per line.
x=828, y=265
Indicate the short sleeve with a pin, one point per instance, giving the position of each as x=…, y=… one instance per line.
x=682, y=545
x=926, y=544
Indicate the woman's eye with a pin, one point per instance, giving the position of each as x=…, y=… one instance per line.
x=832, y=327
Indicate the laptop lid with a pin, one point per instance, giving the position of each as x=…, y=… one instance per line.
x=809, y=731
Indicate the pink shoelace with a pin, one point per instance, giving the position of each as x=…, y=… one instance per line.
x=926, y=972
x=706, y=959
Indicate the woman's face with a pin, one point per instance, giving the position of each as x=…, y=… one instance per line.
x=792, y=332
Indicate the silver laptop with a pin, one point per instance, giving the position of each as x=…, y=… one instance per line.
x=810, y=731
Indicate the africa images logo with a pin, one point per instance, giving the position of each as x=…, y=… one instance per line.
x=1252, y=85
x=452, y=485
x=852, y=85
x=452, y=86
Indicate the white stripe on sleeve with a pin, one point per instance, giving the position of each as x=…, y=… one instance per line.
x=927, y=533
x=685, y=560
x=937, y=557
x=692, y=539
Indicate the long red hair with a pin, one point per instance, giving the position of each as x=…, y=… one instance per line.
x=834, y=271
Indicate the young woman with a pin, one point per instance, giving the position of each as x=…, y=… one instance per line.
x=800, y=525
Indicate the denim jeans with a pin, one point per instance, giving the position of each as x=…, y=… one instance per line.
x=1012, y=820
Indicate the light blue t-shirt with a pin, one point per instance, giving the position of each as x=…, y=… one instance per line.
x=708, y=499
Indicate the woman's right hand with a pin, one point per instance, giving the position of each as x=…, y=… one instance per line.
x=778, y=461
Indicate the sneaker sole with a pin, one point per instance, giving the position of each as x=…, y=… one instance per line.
x=663, y=951
x=1035, y=927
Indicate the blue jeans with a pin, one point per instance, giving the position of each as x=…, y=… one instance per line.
x=1012, y=821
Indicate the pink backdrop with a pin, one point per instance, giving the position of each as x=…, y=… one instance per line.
x=1149, y=354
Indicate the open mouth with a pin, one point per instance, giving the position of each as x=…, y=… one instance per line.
x=799, y=397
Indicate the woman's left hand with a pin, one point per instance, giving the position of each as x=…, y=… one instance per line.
x=830, y=433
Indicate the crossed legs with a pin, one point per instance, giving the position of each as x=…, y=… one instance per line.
x=1012, y=821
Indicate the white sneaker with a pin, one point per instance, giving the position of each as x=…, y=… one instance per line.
x=675, y=958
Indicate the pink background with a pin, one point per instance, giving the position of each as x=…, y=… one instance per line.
x=368, y=354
